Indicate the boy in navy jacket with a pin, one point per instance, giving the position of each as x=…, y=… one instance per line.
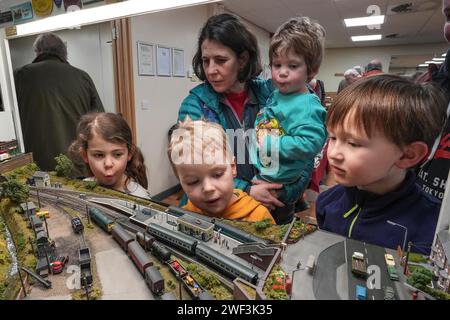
x=379, y=128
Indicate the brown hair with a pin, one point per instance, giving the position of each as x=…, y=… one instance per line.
x=302, y=35
x=198, y=137
x=403, y=111
x=113, y=128
x=228, y=30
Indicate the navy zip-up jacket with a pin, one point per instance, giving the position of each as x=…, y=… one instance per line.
x=363, y=216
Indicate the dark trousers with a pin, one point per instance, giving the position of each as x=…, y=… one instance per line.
x=283, y=215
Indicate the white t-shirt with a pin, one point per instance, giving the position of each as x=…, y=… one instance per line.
x=133, y=188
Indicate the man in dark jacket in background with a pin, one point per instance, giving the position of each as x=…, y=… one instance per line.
x=52, y=96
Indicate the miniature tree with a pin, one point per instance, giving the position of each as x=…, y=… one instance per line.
x=14, y=190
x=420, y=278
x=262, y=225
x=64, y=166
x=90, y=185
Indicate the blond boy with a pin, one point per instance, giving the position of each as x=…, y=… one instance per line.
x=203, y=162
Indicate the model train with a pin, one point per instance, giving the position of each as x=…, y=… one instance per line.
x=210, y=256
x=4, y=156
x=188, y=244
x=101, y=219
x=219, y=225
x=152, y=276
x=144, y=264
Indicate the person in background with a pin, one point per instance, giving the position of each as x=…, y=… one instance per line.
x=228, y=61
x=202, y=160
x=372, y=146
x=52, y=95
x=290, y=131
x=350, y=76
x=373, y=67
x=319, y=89
x=104, y=144
x=433, y=173
x=358, y=69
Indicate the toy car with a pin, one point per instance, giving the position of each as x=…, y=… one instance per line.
x=58, y=264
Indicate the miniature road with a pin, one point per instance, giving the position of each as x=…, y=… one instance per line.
x=315, y=243
x=325, y=278
x=67, y=243
x=374, y=256
x=119, y=277
x=119, y=281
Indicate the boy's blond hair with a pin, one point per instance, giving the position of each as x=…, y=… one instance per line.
x=403, y=111
x=198, y=142
x=302, y=35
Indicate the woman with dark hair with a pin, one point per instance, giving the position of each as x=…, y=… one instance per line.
x=228, y=61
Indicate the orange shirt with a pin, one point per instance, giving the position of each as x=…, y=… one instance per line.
x=243, y=208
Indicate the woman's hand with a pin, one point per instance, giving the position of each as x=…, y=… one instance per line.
x=266, y=193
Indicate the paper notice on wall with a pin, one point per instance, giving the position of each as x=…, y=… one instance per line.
x=72, y=5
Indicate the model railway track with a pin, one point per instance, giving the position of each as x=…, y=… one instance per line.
x=214, y=258
x=73, y=193
x=50, y=199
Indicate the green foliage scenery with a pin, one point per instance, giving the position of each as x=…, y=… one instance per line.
x=274, y=288
x=14, y=190
x=421, y=279
x=64, y=166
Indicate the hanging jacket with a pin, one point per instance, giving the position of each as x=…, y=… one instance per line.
x=363, y=216
x=204, y=103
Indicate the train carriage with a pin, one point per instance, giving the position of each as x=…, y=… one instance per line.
x=225, y=264
x=154, y=280
x=174, y=238
x=139, y=257
x=122, y=237
x=160, y=251
x=145, y=240
x=101, y=219
x=235, y=233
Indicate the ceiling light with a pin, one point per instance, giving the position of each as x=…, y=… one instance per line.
x=423, y=65
x=438, y=59
x=444, y=54
x=100, y=14
x=364, y=21
x=432, y=61
x=367, y=38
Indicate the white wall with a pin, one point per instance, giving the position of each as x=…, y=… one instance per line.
x=339, y=60
x=6, y=126
x=89, y=49
x=7, y=129
x=179, y=29
x=263, y=38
